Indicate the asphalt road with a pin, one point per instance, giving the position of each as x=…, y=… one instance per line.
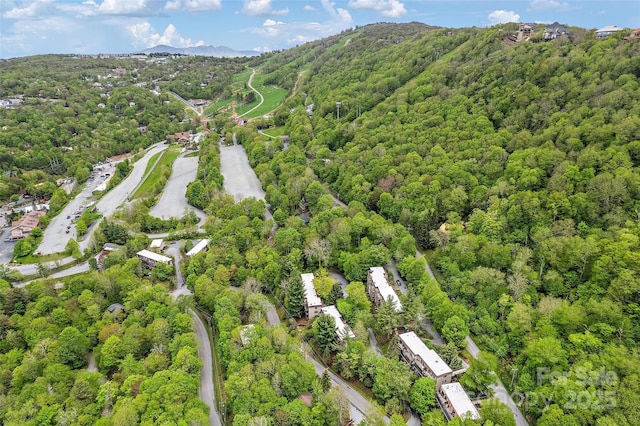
x=173, y=201
x=205, y=392
x=359, y=404
x=239, y=178
x=108, y=204
x=55, y=238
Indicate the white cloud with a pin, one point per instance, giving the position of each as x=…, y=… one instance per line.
x=271, y=22
x=548, y=5
x=602, y=12
x=310, y=8
x=194, y=6
x=503, y=16
x=386, y=8
x=339, y=14
x=144, y=35
x=36, y=10
x=129, y=7
x=261, y=8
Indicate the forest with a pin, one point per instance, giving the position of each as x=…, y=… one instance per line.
x=516, y=165
x=513, y=167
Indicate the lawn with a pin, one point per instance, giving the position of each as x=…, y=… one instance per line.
x=273, y=96
x=275, y=132
x=149, y=186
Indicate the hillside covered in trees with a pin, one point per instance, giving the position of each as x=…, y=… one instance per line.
x=529, y=153
x=513, y=166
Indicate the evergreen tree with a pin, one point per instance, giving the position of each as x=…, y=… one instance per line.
x=324, y=330
x=335, y=294
x=294, y=300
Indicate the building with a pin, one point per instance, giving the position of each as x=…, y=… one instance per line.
x=157, y=245
x=150, y=258
x=107, y=249
x=23, y=226
x=342, y=329
x=524, y=32
x=455, y=402
x=312, y=303
x=605, y=32
x=202, y=245
x=555, y=31
x=634, y=35
x=426, y=362
x=180, y=137
x=379, y=289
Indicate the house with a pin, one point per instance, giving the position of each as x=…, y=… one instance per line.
x=23, y=226
x=424, y=361
x=150, y=258
x=605, y=32
x=312, y=303
x=157, y=245
x=342, y=329
x=455, y=402
x=634, y=35
x=524, y=32
x=107, y=249
x=202, y=245
x=555, y=31
x=180, y=137
x=379, y=289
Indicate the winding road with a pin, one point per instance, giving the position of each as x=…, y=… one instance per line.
x=256, y=92
x=205, y=392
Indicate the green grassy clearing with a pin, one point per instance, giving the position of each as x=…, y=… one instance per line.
x=151, y=162
x=275, y=132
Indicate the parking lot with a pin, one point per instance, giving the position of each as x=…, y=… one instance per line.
x=173, y=201
x=6, y=247
x=56, y=237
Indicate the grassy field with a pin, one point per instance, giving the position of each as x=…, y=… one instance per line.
x=273, y=96
x=148, y=187
x=275, y=132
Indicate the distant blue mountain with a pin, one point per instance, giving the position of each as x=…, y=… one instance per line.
x=217, y=51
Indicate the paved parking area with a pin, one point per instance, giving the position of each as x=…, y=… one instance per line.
x=6, y=247
x=173, y=201
x=55, y=237
x=239, y=178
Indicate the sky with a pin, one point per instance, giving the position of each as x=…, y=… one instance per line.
x=33, y=27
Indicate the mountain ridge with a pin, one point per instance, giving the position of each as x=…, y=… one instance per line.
x=215, y=51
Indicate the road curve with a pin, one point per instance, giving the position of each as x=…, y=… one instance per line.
x=258, y=93
x=205, y=392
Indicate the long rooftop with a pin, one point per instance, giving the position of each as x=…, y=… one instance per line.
x=198, y=247
x=341, y=328
x=379, y=278
x=460, y=401
x=154, y=256
x=310, y=291
x=429, y=356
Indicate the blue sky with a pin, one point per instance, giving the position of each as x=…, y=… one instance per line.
x=30, y=27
